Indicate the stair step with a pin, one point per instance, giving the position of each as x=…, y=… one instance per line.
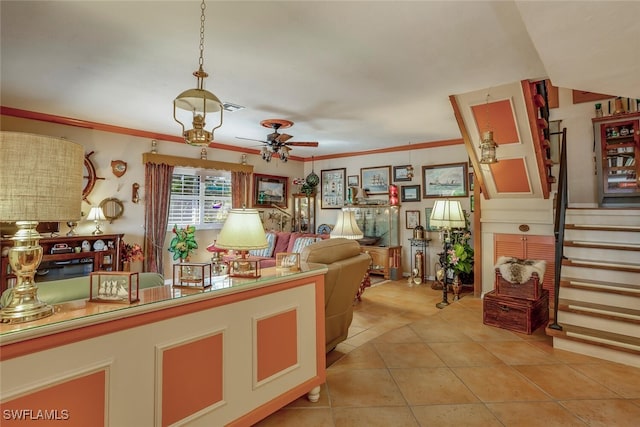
x=597, y=227
x=600, y=310
x=609, y=340
x=603, y=245
x=619, y=266
x=600, y=286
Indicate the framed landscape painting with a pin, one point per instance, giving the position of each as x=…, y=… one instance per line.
x=448, y=180
x=268, y=190
x=375, y=180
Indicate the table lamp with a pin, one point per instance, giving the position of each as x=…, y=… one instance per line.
x=346, y=226
x=96, y=215
x=446, y=214
x=41, y=180
x=243, y=231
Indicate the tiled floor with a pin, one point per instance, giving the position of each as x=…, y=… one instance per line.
x=407, y=363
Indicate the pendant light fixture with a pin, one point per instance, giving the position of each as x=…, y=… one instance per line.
x=198, y=102
x=488, y=145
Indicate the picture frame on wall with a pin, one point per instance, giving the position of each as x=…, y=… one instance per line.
x=375, y=180
x=410, y=193
x=332, y=188
x=427, y=221
x=449, y=180
x=353, y=181
x=412, y=219
x=401, y=173
x=269, y=189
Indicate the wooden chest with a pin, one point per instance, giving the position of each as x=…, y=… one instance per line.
x=519, y=315
x=531, y=289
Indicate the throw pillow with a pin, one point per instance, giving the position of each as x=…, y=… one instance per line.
x=301, y=242
x=268, y=251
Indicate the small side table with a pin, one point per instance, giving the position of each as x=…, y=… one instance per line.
x=192, y=275
x=420, y=263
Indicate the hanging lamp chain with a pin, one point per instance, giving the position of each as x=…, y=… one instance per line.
x=200, y=73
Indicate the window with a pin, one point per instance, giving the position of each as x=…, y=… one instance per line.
x=199, y=197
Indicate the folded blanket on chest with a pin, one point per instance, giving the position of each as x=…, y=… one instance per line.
x=516, y=270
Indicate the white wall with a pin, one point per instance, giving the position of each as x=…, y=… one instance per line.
x=497, y=216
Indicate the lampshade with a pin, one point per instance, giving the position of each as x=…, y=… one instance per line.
x=447, y=214
x=242, y=231
x=96, y=214
x=346, y=226
x=40, y=178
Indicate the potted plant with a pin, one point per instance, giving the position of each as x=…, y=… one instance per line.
x=130, y=253
x=183, y=242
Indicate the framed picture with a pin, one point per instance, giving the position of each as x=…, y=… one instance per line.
x=448, y=180
x=410, y=193
x=269, y=190
x=427, y=214
x=353, y=181
x=375, y=180
x=332, y=188
x=412, y=219
x=401, y=173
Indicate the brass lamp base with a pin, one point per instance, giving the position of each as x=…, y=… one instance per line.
x=24, y=259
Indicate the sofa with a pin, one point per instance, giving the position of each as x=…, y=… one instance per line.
x=347, y=266
x=59, y=291
x=278, y=242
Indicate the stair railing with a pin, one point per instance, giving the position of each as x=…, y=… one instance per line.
x=559, y=222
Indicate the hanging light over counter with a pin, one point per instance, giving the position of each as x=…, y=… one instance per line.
x=198, y=102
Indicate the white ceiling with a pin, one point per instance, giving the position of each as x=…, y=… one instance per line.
x=353, y=75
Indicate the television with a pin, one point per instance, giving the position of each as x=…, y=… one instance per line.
x=8, y=229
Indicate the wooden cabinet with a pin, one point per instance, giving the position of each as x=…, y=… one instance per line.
x=66, y=257
x=617, y=140
x=383, y=259
x=528, y=247
x=304, y=214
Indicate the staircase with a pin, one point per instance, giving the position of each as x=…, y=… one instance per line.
x=599, y=299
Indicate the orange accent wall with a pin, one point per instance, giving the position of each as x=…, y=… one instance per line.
x=79, y=402
x=501, y=121
x=510, y=176
x=277, y=346
x=191, y=378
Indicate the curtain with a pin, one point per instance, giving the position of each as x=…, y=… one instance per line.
x=157, y=186
x=240, y=189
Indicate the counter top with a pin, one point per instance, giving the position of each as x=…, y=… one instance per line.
x=81, y=313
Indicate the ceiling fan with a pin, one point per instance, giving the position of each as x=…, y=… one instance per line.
x=278, y=143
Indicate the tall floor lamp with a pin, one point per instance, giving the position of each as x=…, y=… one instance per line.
x=41, y=180
x=446, y=215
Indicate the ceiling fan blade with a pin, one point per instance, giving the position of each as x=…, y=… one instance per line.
x=302, y=144
x=283, y=138
x=251, y=139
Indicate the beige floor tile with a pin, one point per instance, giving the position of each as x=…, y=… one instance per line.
x=364, y=357
x=519, y=353
x=464, y=354
x=398, y=416
x=403, y=334
x=299, y=417
x=499, y=384
x=564, y=382
x=605, y=412
x=467, y=415
x=429, y=386
x=363, y=387
x=534, y=414
x=623, y=379
x=408, y=355
x=435, y=329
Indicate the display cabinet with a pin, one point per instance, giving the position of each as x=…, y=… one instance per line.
x=304, y=214
x=380, y=224
x=617, y=141
x=385, y=261
x=67, y=257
